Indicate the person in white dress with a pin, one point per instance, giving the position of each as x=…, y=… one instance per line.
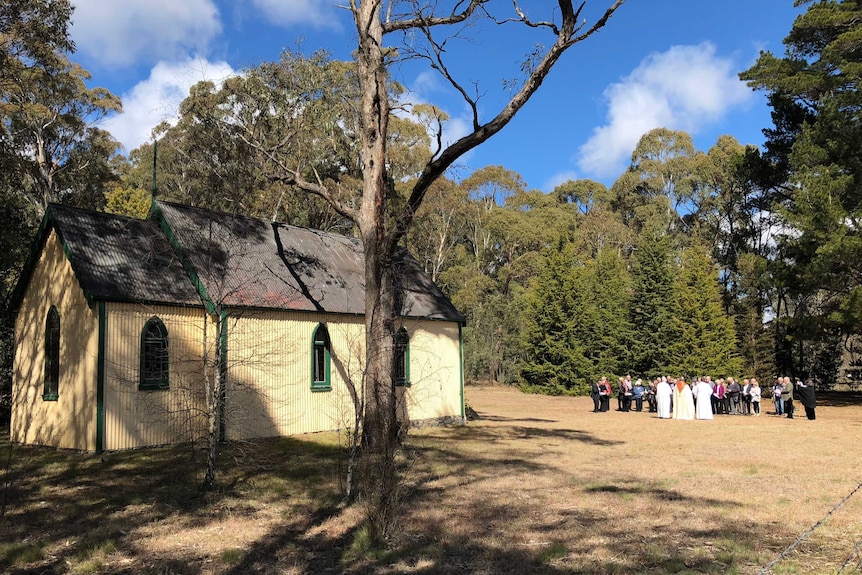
x=755, y=397
x=683, y=401
x=662, y=398
x=703, y=393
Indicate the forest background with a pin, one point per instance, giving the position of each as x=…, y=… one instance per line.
x=732, y=261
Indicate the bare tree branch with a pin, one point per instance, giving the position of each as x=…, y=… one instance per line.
x=438, y=64
x=421, y=21
x=292, y=177
x=482, y=132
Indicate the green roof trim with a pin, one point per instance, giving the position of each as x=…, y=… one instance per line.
x=461, y=367
x=42, y=234
x=158, y=216
x=100, y=378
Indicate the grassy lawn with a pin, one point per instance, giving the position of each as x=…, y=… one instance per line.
x=536, y=485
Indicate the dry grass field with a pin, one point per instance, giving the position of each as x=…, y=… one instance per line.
x=535, y=485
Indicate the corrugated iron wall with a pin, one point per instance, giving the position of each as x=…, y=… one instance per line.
x=269, y=366
x=435, y=378
x=269, y=361
x=136, y=418
x=70, y=421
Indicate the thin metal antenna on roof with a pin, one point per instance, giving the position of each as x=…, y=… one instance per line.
x=155, y=188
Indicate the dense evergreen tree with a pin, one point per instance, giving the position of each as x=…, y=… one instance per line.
x=704, y=341
x=602, y=326
x=555, y=359
x=576, y=326
x=651, y=311
x=814, y=149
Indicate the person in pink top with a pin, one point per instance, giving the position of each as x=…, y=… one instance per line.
x=718, y=396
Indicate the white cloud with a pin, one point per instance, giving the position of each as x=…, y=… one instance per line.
x=317, y=13
x=158, y=98
x=685, y=88
x=427, y=82
x=559, y=178
x=423, y=90
x=118, y=33
x=456, y=128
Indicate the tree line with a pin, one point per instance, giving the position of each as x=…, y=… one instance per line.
x=732, y=260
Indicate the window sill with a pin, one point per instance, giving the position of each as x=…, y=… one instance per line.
x=316, y=388
x=50, y=396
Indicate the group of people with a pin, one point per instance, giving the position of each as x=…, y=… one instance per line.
x=673, y=398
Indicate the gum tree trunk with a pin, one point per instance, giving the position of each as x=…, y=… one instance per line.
x=378, y=474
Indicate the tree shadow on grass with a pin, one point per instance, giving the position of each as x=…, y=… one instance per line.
x=64, y=506
x=103, y=503
x=839, y=399
x=514, y=432
x=500, y=418
x=660, y=494
x=429, y=546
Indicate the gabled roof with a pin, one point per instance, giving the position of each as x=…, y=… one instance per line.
x=114, y=258
x=186, y=256
x=248, y=262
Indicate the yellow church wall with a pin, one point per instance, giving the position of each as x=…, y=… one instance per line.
x=269, y=392
x=70, y=420
x=435, y=370
x=137, y=418
x=269, y=366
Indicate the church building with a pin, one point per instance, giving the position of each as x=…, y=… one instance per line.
x=122, y=325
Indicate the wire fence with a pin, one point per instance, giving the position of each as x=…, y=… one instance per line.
x=854, y=555
x=853, y=559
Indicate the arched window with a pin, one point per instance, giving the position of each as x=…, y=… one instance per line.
x=154, y=355
x=401, y=364
x=51, y=390
x=320, y=360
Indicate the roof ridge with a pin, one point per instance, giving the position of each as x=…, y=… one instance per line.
x=54, y=206
x=255, y=218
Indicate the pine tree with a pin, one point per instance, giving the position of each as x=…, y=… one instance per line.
x=651, y=306
x=705, y=341
x=813, y=161
x=554, y=360
x=602, y=324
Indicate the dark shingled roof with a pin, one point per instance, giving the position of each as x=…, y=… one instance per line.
x=115, y=258
x=237, y=261
x=247, y=262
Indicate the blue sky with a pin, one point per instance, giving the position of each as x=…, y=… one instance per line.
x=657, y=63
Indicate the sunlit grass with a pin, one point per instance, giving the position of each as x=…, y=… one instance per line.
x=540, y=487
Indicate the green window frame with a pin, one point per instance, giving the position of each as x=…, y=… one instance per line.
x=155, y=356
x=321, y=360
x=401, y=361
x=51, y=387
